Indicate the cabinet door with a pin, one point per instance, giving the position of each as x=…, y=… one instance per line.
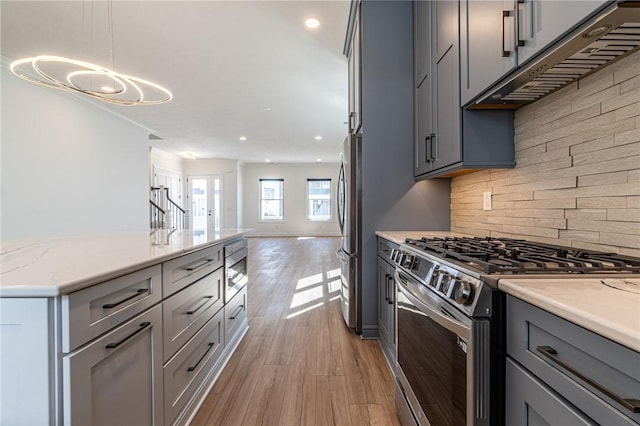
x=424, y=128
x=117, y=379
x=447, y=142
x=531, y=403
x=487, y=46
x=541, y=22
x=355, y=118
x=386, y=305
x=422, y=39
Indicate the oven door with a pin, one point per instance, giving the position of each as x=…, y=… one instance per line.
x=443, y=359
x=235, y=273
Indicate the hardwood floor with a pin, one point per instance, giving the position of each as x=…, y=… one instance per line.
x=299, y=364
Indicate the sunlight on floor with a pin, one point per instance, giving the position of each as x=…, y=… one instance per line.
x=306, y=238
x=311, y=291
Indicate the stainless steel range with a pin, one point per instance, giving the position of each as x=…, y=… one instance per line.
x=450, y=319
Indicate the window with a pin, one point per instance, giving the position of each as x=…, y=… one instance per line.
x=271, y=199
x=319, y=199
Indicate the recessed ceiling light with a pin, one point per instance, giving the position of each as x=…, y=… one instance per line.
x=312, y=22
x=318, y=138
x=319, y=160
x=243, y=138
x=267, y=161
x=189, y=155
x=266, y=109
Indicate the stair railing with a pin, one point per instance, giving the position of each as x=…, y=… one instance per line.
x=164, y=212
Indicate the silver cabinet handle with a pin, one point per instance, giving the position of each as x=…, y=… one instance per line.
x=235, y=314
x=631, y=404
x=519, y=41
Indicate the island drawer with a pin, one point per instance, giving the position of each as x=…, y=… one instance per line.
x=189, y=309
x=235, y=314
x=182, y=271
x=92, y=311
x=189, y=368
x=595, y=374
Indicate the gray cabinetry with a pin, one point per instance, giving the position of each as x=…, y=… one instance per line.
x=540, y=22
x=530, y=402
x=117, y=379
x=586, y=377
x=449, y=140
x=188, y=310
x=353, y=52
x=487, y=46
x=386, y=301
x=499, y=36
x=235, y=315
x=187, y=370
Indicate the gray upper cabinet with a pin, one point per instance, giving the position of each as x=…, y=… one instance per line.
x=353, y=52
x=540, y=22
x=497, y=37
x=487, y=44
x=448, y=139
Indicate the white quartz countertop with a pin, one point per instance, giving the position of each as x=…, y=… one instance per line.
x=398, y=237
x=52, y=266
x=609, y=307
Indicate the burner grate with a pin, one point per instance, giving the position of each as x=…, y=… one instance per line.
x=511, y=256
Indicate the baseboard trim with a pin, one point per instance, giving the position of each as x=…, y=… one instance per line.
x=369, y=332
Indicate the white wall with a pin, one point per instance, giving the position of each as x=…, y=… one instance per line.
x=228, y=170
x=295, y=193
x=68, y=166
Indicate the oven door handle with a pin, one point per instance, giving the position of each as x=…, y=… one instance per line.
x=446, y=321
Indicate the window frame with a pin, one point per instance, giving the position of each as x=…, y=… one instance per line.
x=308, y=199
x=261, y=218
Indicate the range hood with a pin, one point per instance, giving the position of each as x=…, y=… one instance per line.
x=595, y=44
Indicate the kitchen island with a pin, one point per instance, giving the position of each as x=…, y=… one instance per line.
x=117, y=328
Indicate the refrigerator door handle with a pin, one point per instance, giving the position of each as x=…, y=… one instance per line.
x=341, y=191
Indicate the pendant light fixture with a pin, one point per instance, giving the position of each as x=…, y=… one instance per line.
x=90, y=79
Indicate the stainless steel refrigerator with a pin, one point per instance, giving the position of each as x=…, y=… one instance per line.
x=349, y=217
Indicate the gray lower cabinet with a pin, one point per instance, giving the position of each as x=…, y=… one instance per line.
x=117, y=379
x=386, y=309
x=561, y=374
x=387, y=301
x=140, y=349
x=530, y=402
x=235, y=315
x=189, y=368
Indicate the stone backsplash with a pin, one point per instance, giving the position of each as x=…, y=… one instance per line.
x=577, y=175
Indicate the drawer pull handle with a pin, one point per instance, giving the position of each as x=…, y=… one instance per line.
x=116, y=344
x=206, y=299
x=210, y=345
x=199, y=265
x=137, y=293
x=630, y=404
x=236, y=312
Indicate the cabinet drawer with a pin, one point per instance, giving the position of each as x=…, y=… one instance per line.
x=529, y=402
x=182, y=271
x=95, y=310
x=190, y=367
x=235, y=315
x=117, y=379
x=186, y=311
x=575, y=362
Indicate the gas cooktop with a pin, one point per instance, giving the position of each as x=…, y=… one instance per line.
x=512, y=256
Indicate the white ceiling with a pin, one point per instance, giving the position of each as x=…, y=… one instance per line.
x=236, y=68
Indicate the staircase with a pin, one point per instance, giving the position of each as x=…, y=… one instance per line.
x=164, y=213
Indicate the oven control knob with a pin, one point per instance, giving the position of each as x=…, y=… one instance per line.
x=393, y=254
x=462, y=292
x=408, y=261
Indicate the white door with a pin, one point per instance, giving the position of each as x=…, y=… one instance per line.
x=205, y=199
x=169, y=179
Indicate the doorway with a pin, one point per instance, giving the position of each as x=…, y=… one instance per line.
x=205, y=193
